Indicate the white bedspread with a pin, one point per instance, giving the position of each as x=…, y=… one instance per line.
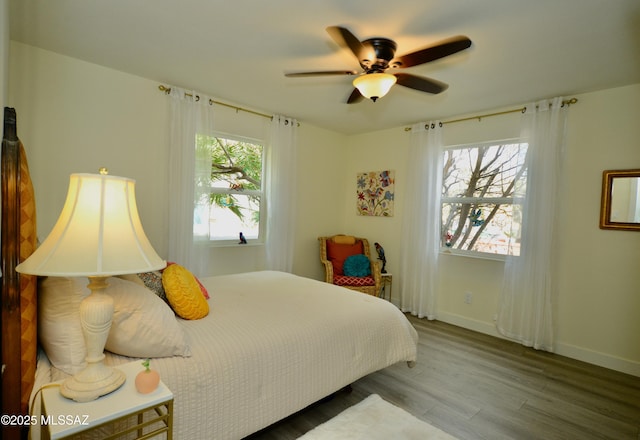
x=272, y=344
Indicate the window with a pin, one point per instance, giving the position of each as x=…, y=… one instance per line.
x=231, y=203
x=482, y=195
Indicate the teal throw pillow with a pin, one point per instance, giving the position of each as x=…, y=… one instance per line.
x=357, y=266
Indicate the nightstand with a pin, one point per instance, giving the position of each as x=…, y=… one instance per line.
x=387, y=280
x=67, y=417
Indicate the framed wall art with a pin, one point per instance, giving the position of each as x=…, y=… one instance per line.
x=375, y=192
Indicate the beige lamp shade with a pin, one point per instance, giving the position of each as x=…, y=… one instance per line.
x=98, y=232
x=374, y=85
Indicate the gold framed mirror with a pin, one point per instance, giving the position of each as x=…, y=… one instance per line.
x=620, y=202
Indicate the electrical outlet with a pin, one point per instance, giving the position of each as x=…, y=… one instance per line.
x=468, y=297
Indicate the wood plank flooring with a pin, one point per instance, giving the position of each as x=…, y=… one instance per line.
x=475, y=386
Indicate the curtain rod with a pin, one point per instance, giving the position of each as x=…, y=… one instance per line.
x=487, y=115
x=167, y=90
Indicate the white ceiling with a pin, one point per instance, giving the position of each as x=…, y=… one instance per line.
x=238, y=50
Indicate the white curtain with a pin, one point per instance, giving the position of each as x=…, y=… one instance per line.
x=281, y=193
x=189, y=175
x=525, y=305
x=420, y=245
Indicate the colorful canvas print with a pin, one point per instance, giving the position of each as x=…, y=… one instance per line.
x=375, y=193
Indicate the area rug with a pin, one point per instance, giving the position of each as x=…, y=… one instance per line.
x=375, y=419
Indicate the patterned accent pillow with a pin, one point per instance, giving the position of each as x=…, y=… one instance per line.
x=153, y=282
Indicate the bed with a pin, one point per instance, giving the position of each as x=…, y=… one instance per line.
x=271, y=344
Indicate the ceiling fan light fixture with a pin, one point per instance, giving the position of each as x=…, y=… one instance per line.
x=374, y=85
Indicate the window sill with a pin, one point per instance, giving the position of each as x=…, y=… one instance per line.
x=472, y=254
x=231, y=244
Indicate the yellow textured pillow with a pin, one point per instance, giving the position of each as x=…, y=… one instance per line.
x=183, y=293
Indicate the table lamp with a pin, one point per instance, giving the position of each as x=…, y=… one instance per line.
x=98, y=235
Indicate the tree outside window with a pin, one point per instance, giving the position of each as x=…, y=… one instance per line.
x=232, y=204
x=482, y=194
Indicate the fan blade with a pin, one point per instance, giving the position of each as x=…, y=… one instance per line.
x=344, y=37
x=321, y=73
x=432, y=53
x=419, y=83
x=355, y=97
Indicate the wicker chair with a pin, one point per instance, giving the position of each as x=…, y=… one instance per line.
x=333, y=252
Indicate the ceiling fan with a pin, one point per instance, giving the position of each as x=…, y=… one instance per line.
x=377, y=55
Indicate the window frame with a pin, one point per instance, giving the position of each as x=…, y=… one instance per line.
x=515, y=200
x=260, y=193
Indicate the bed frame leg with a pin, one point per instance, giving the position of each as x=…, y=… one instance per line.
x=411, y=364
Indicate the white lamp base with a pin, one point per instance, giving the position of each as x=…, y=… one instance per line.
x=94, y=381
x=97, y=379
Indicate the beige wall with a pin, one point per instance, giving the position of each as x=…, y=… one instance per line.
x=598, y=302
x=599, y=299
x=75, y=117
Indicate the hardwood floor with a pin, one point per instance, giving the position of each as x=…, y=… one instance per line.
x=475, y=386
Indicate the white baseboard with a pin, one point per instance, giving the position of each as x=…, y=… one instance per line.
x=471, y=324
x=600, y=359
x=568, y=350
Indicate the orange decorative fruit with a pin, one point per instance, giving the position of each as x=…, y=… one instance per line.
x=147, y=380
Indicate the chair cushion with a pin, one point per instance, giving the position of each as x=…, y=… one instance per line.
x=342, y=280
x=344, y=239
x=337, y=253
x=357, y=266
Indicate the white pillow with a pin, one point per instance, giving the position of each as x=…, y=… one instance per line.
x=143, y=325
x=59, y=329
